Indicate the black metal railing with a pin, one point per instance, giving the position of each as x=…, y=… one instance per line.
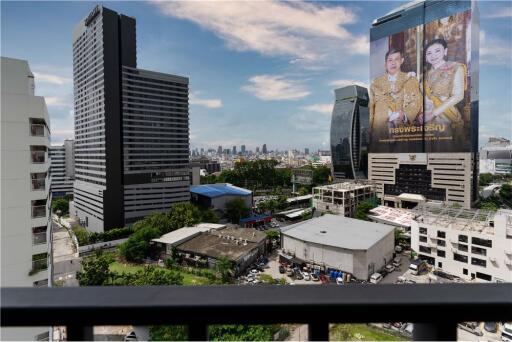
x=435, y=309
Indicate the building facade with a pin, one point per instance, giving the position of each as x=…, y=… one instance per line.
x=349, y=133
x=496, y=157
x=424, y=139
x=62, y=168
x=342, y=198
x=471, y=244
x=131, y=127
x=26, y=198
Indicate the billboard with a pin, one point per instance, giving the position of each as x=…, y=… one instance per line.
x=420, y=94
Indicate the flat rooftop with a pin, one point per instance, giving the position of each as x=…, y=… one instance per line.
x=220, y=189
x=344, y=186
x=338, y=231
x=249, y=234
x=475, y=220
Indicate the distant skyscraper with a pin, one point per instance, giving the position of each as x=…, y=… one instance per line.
x=242, y=149
x=234, y=150
x=264, y=149
x=62, y=168
x=306, y=150
x=257, y=150
x=125, y=120
x=349, y=133
x=202, y=151
x=219, y=150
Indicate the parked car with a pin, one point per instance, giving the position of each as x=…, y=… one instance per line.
x=254, y=271
x=282, y=269
x=376, y=278
x=397, y=262
x=418, y=266
x=491, y=327
x=289, y=272
x=398, y=249
x=390, y=268
x=339, y=281
x=315, y=277
x=306, y=276
x=298, y=275
x=506, y=333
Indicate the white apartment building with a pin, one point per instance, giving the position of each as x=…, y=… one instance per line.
x=471, y=244
x=341, y=198
x=62, y=168
x=25, y=228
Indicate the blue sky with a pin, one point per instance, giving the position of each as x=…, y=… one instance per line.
x=259, y=72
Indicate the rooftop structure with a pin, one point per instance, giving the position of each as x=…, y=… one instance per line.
x=338, y=231
x=220, y=189
x=184, y=234
x=392, y=216
x=342, y=198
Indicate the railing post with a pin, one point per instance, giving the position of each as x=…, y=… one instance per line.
x=318, y=331
x=198, y=332
x=446, y=331
x=79, y=333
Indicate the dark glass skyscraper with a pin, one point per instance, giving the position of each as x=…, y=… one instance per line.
x=349, y=133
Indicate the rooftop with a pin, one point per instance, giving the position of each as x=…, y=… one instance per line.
x=338, y=231
x=344, y=186
x=475, y=220
x=220, y=189
x=394, y=216
x=183, y=234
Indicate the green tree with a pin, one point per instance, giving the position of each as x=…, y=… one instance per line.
x=400, y=237
x=485, y=179
x=61, y=206
x=160, y=221
x=95, y=271
x=488, y=205
x=242, y=332
x=364, y=208
x=236, y=210
x=82, y=234
x=224, y=268
x=272, y=234
x=304, y=191
x=209, y=216
x=506, y=193
x=168, y=333
x=152, y=275
x=137, y=247
x=184, y=215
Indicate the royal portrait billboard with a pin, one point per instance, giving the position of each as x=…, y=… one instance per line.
x=420, y=88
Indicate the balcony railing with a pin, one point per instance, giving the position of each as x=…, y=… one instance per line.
x=435, y=309
x=39, y=265
x=38, y=184
x=38, y=157
x=38, y=238
x=37, y=130
x=38, y=211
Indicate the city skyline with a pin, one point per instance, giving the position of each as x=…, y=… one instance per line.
x=239, y=81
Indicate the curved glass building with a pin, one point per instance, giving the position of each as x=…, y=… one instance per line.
x=349, y=133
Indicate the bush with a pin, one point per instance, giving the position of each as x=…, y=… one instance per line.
x=86, y=237
x=82, y=234
x=62, y=205
x=137, y=247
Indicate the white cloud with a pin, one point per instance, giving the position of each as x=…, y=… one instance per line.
x=49, y=78
x=208, y=103
x=501, y=13
x=275, y=87
x=495, y=50
x=322, y=108
x=345, y=82
x=56, y=101
x=305, y=32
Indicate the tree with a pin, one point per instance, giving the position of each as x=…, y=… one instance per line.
x=506, y=193
x=160, y=221
x=272, y=234
x=485, y=179
x=242, y=332
x=184, y=215
x=82, y=234
x=400, y=237
x=95, y=271
x=304, y=191
x=209, y=216
x=137, y=247
x=152, y=275
x=60, y=206
x=168, y=333
x=488, y=205
x=236, y=210
x=224, y=268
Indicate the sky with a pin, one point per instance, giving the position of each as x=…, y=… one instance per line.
x=260, y=72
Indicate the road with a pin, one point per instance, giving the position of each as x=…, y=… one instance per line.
x=65, y=260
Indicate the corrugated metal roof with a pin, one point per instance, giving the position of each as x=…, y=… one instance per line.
x=220, y=189
x=339, y=231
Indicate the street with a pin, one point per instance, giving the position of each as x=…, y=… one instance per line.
x=65, y=260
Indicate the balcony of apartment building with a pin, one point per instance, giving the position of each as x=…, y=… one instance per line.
x=38, y=154
x=38, y=208
x=81, y=308
x=38, y=181
x=38, y=128
x=39, y=263
x=39, y=235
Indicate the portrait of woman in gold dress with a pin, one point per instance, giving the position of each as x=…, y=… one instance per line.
x=445, y=84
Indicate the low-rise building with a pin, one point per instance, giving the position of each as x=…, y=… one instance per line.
x=217, y=195
x=349, y=245
x=471, y=244
x=341, y=198
x=241, y=246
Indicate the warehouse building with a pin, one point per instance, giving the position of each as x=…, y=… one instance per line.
x=358, y=247
x=217, y=195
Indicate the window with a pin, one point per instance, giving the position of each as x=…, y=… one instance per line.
x=441, y=253
x=39, y=235
x=465, y=271
x=441, y=234
x=439, y=265
x=38, y=180
x=463, y=238
x=441, y=243
x=463, y=248
x=483, y=276
x=423, y=238
x=425, y=249
x=39, y=262
x=460, y=257
x=478, y=250
x=423, y=231
x=481, y=242
x=478, y=262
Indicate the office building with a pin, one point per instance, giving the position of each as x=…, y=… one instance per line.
x=257, y=150
x=131, y=127
x=219, y=150
x=341, y=243
x=242, y=149
x=62, y=168
x=234, y=150
x=349, y=133
x=26, y=200
x=421, y=146
x=471, y=244
x=496, y=157
x=342, y=198
x=306, y=151
x=264, y=149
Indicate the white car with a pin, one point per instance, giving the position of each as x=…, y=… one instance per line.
x=376, y=278
x=390, y=268
x=397, y=262
x=306, y=276
x=339, y=281
x=254, y=271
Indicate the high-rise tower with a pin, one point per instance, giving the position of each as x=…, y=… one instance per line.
x=131, y=127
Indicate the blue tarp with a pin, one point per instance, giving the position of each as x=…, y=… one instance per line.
x=217, y=190
x=255, y=218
